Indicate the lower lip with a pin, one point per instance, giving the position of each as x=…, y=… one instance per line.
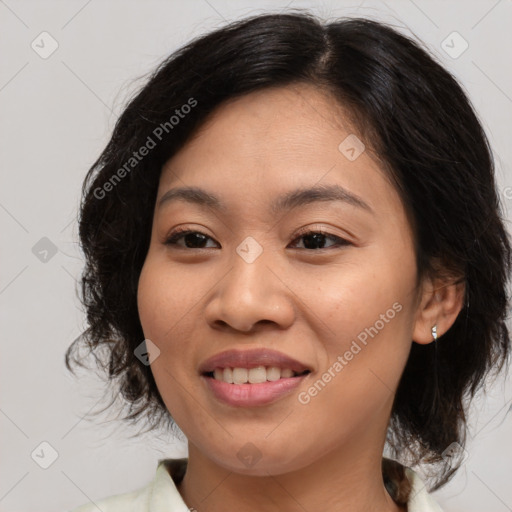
x=250, y=395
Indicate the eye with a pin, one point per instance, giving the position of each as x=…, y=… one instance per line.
x=313, y=238
x=191, y=238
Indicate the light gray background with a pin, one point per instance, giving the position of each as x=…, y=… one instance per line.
x=57, y=114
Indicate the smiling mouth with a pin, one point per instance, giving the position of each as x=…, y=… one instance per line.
x=257, y=375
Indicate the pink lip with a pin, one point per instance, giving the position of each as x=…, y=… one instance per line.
x=251, y=358
x=250, y=395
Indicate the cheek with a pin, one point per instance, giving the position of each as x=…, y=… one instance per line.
x=357, y=295
x=163, y=316
x=167, y=303
x=367, y=312
x=362, y=366
x=162, y=299
x=150, y=293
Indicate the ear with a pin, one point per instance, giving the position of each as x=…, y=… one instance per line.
x=440, y=303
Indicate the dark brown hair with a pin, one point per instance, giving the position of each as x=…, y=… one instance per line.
x=421, y=125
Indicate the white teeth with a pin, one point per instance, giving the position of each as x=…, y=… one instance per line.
x=273, y=373
x=240, y=375
x=257, y=375
x=253, y=376
x=228, y=375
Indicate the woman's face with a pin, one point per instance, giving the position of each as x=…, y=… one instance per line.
x=341, y=304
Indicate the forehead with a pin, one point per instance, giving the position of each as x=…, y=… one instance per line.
x=285, y=118
x=275, y=140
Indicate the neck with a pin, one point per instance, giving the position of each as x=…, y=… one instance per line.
x=347, y=479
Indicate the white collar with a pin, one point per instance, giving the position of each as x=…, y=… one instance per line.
x=164, y=496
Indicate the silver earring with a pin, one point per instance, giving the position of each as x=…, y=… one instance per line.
x=434, y=332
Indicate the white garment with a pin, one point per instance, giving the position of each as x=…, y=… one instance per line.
x=162, y=495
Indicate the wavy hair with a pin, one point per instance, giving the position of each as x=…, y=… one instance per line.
x=424, y=130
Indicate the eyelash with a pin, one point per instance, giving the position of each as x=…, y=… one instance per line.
x=181, y=232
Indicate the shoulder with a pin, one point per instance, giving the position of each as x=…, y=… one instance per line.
x=158, y=495
x=419, y=498
x=406, y=487
x=135, y=501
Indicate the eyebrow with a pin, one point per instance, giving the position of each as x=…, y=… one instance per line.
x=288, y=201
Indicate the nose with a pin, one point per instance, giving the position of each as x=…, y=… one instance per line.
x=251, y=294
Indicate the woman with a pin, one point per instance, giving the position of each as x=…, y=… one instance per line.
x=295, y=252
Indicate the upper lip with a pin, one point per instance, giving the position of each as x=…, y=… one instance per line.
x=251, y=358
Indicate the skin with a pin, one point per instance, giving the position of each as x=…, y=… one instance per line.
x=309, y=303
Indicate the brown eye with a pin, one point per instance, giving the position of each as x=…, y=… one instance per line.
x=313, y=239
x=193, y=239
